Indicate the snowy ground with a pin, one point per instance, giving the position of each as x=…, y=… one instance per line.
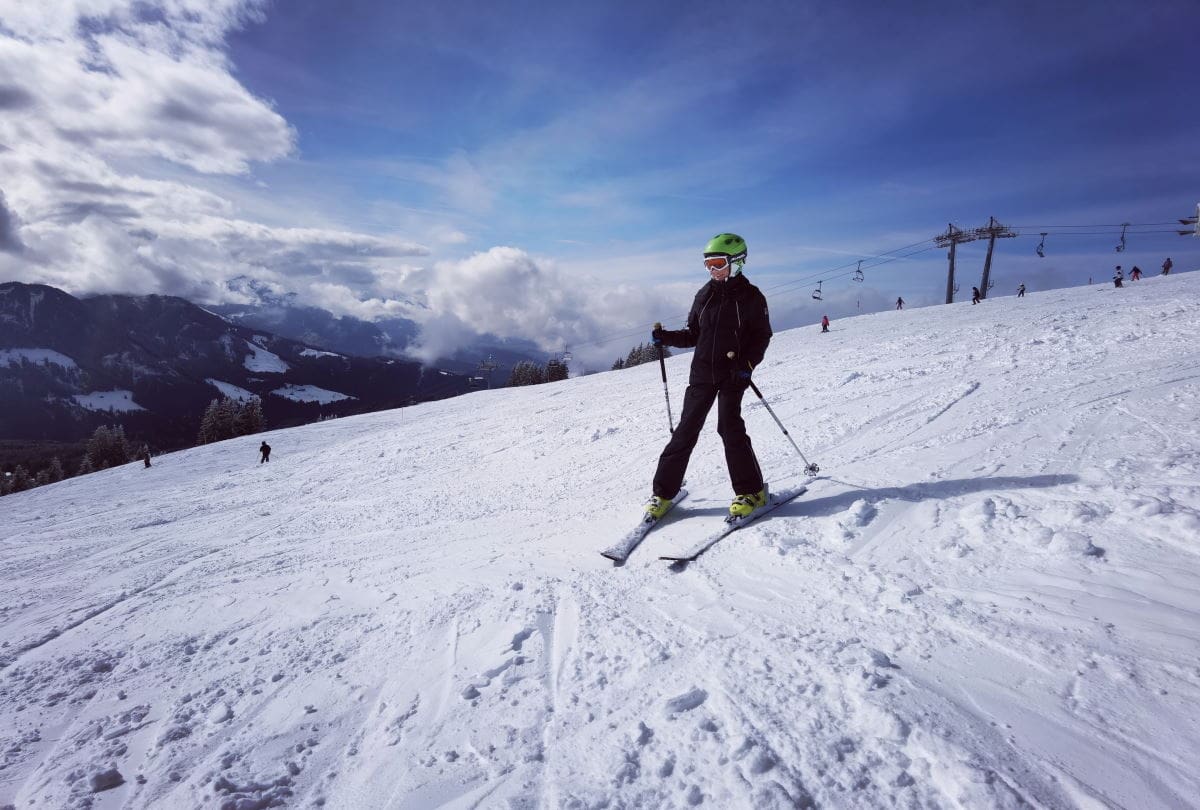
x=989, y=599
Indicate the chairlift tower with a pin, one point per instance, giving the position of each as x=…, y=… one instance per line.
x=993, y=231
x=487, y=367
x=951, y=239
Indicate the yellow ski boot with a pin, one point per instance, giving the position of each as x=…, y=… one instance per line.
x=743, y=505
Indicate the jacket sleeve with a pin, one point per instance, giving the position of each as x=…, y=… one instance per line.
x=756, y=329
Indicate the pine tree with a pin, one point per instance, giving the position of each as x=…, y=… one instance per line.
x=56, y=470
x=21, y=480
x=206, y=424
x=106, y=448
x=619, y=364
x=641, y=353
x=556, y=370
x=252, y=417
x=527, y=373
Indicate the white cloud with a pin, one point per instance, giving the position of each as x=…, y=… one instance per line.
x=507, y=293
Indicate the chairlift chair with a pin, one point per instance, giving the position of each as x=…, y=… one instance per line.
x=817, y=292
x=1121, y=247
x=1041, y=248
x=858, y=274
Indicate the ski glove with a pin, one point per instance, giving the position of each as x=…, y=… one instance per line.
x=656, y=337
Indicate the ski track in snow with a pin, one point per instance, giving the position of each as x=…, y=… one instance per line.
x=987, y=599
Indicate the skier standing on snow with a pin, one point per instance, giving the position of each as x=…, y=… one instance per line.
x=1119, y=277
x=1021, y=291
x=1135, y=273
x=1167, y=265
x=899, y=303
x=824, y=323
x=265, y=449
x=974, y=296
x=729, y=326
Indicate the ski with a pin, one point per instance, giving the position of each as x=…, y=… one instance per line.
x=732, y=524
x=620, y=550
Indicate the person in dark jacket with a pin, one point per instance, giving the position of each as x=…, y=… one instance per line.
x=265, y=449
x=974, y=296
x=730, y=328
x=899, y=303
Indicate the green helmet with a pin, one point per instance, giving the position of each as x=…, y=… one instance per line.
x=728, y=244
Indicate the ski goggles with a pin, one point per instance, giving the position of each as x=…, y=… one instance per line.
x=714, y=263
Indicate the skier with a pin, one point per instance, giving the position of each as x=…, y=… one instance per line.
x=824, y=323
x=899, y=303
x=974, y=296
x=1167, y=265
x=146, y=456
x=265, y=449
x=1135, y=273
x=729, y=326
x=1119, y=277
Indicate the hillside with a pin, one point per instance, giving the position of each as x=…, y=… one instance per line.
x=989, y=598
x=153, y=364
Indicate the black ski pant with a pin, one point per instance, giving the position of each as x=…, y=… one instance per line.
x=698, y=400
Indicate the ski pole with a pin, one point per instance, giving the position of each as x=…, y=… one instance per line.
x=809, y=468
x=662, y=364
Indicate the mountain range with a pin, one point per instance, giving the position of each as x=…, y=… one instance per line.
x=153, y=363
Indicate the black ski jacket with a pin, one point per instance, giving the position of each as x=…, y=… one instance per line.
x=727, y=316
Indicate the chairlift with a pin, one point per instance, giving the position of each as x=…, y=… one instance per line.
x=858, y=274
x=1121, y=247
x=1041, y=248
x=956, y=288
x=817, y=292
x=566, y=355
x=991, y=283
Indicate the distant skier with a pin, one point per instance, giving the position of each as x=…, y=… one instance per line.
x=899, y=303
x=730, y=328
x=1135, y=273
x=1119, y=277
x=146, y=456
x=1021, y=291
x=1167, y=265
x=974, y=296
x=265, y=449
x=824, y=323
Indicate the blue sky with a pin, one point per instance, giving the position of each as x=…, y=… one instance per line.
x=461, y=159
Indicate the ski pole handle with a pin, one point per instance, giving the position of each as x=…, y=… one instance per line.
x=662, y=365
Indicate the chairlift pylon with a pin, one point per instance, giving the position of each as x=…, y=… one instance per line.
x=817, y=292
x=1041, y=248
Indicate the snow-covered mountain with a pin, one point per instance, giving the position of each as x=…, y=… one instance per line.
x=988, y=599
x=281, y=314
x=153, y=363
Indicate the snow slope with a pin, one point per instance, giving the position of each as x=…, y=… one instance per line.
x=989, y=599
